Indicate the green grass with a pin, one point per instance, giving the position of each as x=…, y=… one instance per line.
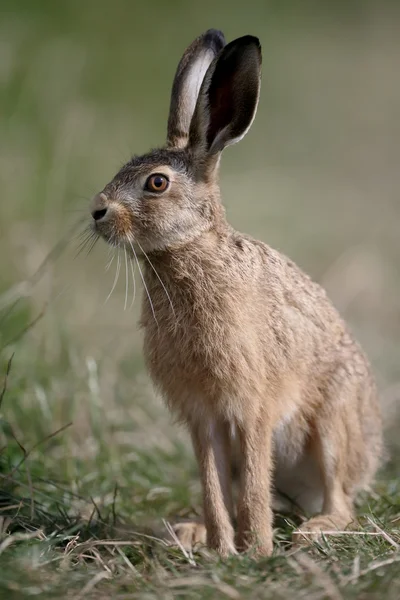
x=86, y=521
x=90, y=462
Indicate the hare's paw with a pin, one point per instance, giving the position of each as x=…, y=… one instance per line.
x=312, y=530
x=192, y=536
x=189, y=535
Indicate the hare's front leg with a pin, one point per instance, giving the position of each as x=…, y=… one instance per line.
x=212, y=447
x=255, y=500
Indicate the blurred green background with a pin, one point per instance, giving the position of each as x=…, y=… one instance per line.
x=84, y=85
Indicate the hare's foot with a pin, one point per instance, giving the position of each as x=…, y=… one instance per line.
x=315, y=528
x=190, y=535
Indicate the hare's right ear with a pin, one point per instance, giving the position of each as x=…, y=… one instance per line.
x=188, y=79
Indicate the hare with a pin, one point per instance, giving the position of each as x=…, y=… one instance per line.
x=245, y=348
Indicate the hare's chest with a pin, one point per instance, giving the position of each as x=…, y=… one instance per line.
x=208, y=360
x=186, y=351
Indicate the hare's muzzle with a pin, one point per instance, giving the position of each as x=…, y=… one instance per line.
x=112, y=219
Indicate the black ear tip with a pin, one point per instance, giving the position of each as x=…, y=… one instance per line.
x=248, y=45
x=215, y=39
x=249, y=40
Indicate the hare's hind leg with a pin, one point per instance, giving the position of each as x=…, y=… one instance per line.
x=339, y=454
x=337, y=517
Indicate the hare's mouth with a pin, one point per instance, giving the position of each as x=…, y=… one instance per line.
x=121, y=240
x=106, y=231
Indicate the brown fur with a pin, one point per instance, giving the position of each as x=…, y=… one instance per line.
x=245, y=348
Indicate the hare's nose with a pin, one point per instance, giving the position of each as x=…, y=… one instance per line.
x=99, y=214
x=99, y=207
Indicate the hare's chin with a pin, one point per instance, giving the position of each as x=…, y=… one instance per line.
x=106, y=233
x=122, y=243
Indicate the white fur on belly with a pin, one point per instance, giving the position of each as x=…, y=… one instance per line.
x=299, y=483
x=297, y=478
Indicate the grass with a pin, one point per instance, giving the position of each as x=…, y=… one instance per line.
x=90, y=463
x=59, y=540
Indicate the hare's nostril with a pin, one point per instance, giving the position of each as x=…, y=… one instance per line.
x=99, y=214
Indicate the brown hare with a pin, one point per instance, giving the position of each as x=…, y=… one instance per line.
x=245, y=348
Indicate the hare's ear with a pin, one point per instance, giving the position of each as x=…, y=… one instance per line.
x=188, y=79
x=228, y=97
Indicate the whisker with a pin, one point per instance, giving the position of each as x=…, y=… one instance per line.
x=116, y=277
x=86, y=232
x=134, y=283
x=86, y=242
x=82, y=245
x=158, y=277
x=92, y=245
x=89, y=245
x=83, y=219
x=82, y=231
x=108, y=265
x=144, y=283
x=126, y=280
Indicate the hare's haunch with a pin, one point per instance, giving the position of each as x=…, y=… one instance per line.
x=246, y=349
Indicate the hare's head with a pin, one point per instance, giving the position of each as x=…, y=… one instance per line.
x=165, y=198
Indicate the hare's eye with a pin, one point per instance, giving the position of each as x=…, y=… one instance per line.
x=156, y=183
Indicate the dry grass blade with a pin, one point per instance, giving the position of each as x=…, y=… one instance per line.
x=115, y=543
x=383, y=533
x=339, y=533
x=356, y=567
x=127, y=561
x=373, y=567
x=92, y=583
x=189, y=582
x=19, y=537
x=186, y=554
x=321, y=577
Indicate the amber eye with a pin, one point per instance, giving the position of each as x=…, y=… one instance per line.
x=156, y=183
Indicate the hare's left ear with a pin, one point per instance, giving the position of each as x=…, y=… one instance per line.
x=188, y=79
x=228, y=97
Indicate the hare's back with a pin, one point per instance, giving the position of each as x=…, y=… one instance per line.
x=291, y=299
x=301, y=324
